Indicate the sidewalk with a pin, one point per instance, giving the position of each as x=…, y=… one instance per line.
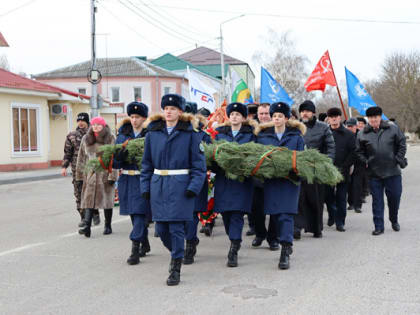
x=32, y=175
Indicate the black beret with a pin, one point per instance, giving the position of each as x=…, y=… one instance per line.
x=84, y=117
x=280, y=107
x=137, y=108
x=362, y=119
x=191, y=107
x=173, y=100
x=351, y=122
x=322, y=116
x=307, y=105
x=334, y=112
x=204, y=111
x=237, y=107
x=374, y=111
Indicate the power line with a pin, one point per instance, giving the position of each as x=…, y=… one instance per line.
x=17, y=8
x=289, y=16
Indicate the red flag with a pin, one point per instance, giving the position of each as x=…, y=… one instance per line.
x=322, y=75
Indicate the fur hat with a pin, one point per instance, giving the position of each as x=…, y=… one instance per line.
x=322, y=116
x=351, y=122
x=84, y=117
x=307, y=105
x=191, y=107
x=334, y=112
x=98, y=121
x=237, y=107
x=280, y=107
x=173, y=100
x=137, y=108
x=374, y=111
x=252, y=108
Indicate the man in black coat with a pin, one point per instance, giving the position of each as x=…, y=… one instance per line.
x=336, y=197
x=318, y=136
x=381, y=147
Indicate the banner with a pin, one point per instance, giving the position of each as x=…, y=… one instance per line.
x=359, y=99
x=240, y=91
x=200, y=92
x=322, y=75
x=271, y=90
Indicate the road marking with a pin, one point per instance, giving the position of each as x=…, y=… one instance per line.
x=29, y=246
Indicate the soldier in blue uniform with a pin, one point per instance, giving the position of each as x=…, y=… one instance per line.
x=232, y=198
x=281, y=196
x=131, y=201
x=172, y=175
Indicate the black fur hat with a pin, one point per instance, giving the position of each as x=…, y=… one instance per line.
x=334, y=112
x=237, y=107
x=173, y=100
x=280, y=107
x=374, y=111
x=137, y=108
x=191, y=107
x=307, y=105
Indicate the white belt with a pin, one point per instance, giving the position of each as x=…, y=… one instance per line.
x=130, y=172
x=171, y=172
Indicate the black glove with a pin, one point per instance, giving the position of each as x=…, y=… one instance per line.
x=190, y=194
x=111, y=182
x=402, y=163
x=146, y=195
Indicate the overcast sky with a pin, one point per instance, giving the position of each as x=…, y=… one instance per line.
x=47, y=34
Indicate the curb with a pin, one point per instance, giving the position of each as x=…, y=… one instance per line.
x=29, y=179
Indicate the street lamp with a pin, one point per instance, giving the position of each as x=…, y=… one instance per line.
x=222, y=62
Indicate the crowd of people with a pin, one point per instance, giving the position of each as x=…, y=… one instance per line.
x=171, y=187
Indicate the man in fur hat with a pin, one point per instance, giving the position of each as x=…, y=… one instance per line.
x=172, y=175
x=381, y=147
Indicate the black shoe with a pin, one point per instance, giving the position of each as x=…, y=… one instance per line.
x=286, y=251
x=257, y=241
x=175, y=273
x=208, y=229
x=274, y=245
x=233, y=253
x=350, y=207
x=145, y=247
x=250, y=232
x=396, y=227
x=96, y=219
x=202, y=229
x=108, y=220
x=107, y=230
x=330, y=222
x=340, y=228
x=318, y=235
x=134, y=258
x=378, y=232
x=357, y=210
x=190, y=251
x=296, y=235
x=85, y=230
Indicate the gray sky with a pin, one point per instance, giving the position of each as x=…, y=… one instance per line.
x=48, y=34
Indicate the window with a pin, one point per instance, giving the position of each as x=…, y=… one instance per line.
x=137, y=94
x=115, y=94
x=166, y=90
x=25, y=128
x=82, y=91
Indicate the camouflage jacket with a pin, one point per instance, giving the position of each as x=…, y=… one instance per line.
x=71, y=148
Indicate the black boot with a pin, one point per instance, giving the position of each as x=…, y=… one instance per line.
x=233, y=253
x=85, y=230
x=145, y=247
x=96, y=217
x=108, y=220
x=82, y=216
x=134, y=258
x=286, y=251
x=208, y=229
x=190, y=251
x=175, y=274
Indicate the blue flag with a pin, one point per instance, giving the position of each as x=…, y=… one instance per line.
x=359, y=99
x=272, y=91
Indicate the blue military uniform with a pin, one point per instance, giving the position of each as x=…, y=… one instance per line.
x=129, y=194
x=173, y=173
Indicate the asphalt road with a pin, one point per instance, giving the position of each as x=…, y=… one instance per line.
x=47, y=268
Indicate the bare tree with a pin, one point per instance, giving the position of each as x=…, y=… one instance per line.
x=285, y=64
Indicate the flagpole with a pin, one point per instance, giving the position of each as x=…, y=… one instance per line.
x=338, y=90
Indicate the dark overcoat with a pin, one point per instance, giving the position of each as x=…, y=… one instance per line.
x=280, y=194
x=181, y=149
x=129, y=193
x=232, y=195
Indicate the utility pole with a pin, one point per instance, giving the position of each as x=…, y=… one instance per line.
x=93, y=77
